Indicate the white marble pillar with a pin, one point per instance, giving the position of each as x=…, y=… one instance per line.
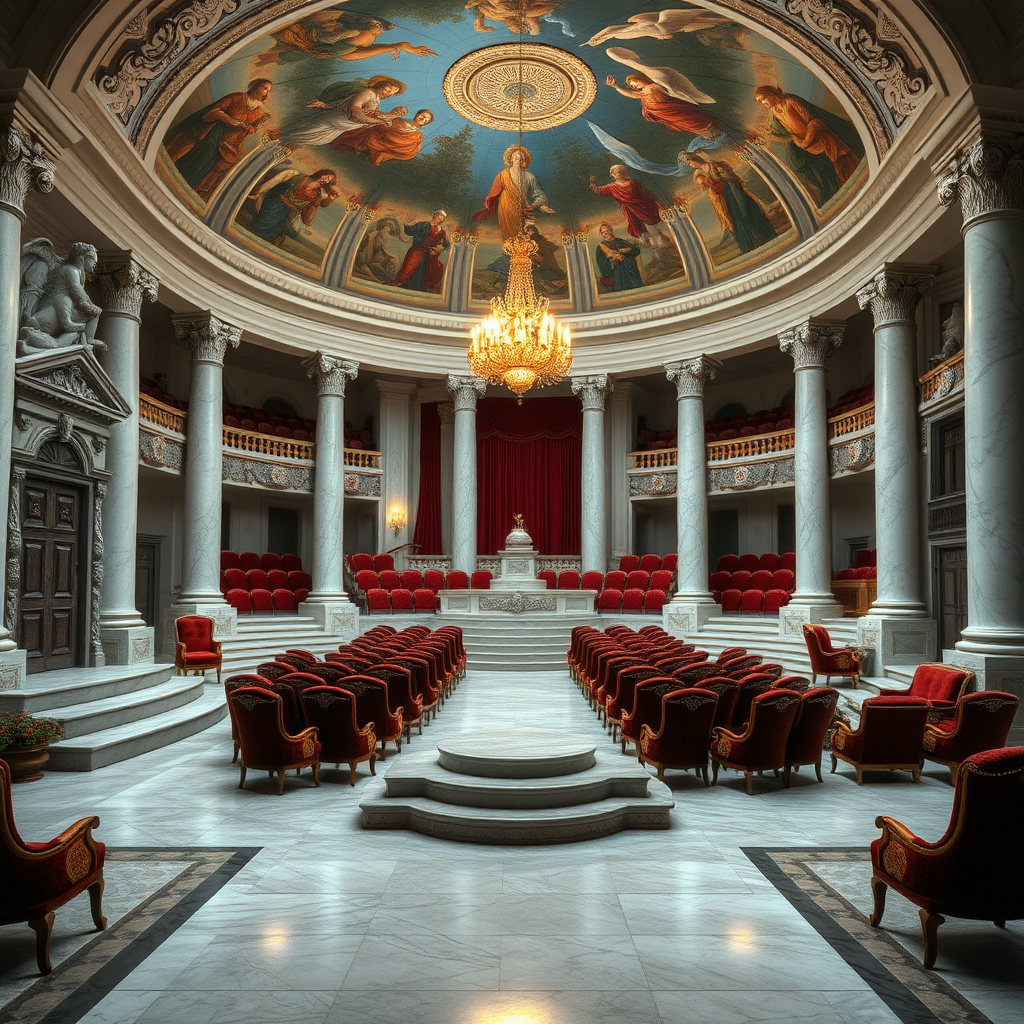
x=24, y=166
x=208, y=339
x=693, y=604
x=592, y=391
x=620, y=443
x=394, y=427
x=810, y=344
x=446, y=411
x=123, y=284
x=898, y=621
x=464, y=391
x=987, y=178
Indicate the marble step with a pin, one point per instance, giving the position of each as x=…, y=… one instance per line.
x=118, y=743
x=47, y=691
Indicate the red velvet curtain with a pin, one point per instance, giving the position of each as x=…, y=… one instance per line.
x=529, y=461
x=428, y=514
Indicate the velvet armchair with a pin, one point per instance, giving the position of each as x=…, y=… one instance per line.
x=981, y=722
x=195, y=650
x=807, y=737
x=889, y=737
x=647, y=698
x=331, y=710
x=372, y=706
x=684, y=733
x=941, y=685
x=828, y=661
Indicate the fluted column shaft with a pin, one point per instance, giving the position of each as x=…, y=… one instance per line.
x=464, y=391
x=893, y=296
x=988, y=180
x=123, y=285
x=810, y=345
x=208, y=339
x=593, y=534
x=331, y=375
x=690, y=378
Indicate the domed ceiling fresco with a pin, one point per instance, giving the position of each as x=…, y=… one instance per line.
x=373, y=146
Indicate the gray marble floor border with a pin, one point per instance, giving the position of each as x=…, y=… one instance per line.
x=90, y=974
x=915, y=995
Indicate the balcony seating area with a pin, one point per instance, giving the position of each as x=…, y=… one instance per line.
x=855, y=588
x=263, y=583
x=298, y=711
x=754, y=584
x=276, y=424
x=154, y=390
x=852, y=399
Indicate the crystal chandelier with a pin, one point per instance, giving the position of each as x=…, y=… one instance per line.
x=520, y=344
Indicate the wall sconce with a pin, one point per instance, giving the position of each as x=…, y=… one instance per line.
x=397, y=520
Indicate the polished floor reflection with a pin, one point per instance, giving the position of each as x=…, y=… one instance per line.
x=331, y=923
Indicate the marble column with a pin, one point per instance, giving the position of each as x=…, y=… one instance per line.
x=620, y=442
x=446, y=411
x=24, y=166
x=810, y=344
x=208, y=339
x=692, y=604
x=897, y=626
x=394, y=421
x=592, y=391
x=464, y=391
x=987, y=178
x=123, y=284
x=328, y=602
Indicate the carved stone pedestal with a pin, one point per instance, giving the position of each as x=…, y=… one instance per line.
x=127, y=646
x=12, y=669
x=907, y=640
x=793, y=615
x=340, y=619
x=995, y=672
x=518, y=564
x=684, y=616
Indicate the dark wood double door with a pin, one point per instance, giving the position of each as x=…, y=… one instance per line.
x=51, y=601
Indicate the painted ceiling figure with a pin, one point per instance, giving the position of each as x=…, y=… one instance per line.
x=344, y=107
x=422, y=269
x=617, y=261
x=810, y=142
x=288, y=197
x=399, y=140
x=514, y=195
x=642, y=211
x=341, y=34
x=207, y=144
x=373, y=260
x=657, y=25
x=518, y=15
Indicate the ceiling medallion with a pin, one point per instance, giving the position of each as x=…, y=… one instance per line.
x=484, y=86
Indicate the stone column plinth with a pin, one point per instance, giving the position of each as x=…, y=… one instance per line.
x=24, y=166
x=692, y=604
x=208, y=339
x=987, y=178
x=328, y=602
x=897, y=625
x=123, y=285
x=464, y=391
x=593, y=534
x=810, y=345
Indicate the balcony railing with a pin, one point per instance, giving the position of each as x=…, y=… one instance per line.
x=268, y=445
x=156, y=412
x=750, y=447
x=851, y=421
x=943, y=379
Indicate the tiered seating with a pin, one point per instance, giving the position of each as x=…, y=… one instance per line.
x=852, y=399
x=754, y=584
x=380, y=588
x=640, y=584
x=762, y=421
x=151, y=388
x=263, y=583
x=261, y=421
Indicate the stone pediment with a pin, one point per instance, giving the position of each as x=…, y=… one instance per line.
x=72, y=378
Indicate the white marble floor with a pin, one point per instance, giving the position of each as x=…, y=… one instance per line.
x=332, y=923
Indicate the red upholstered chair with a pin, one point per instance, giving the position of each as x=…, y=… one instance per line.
x=433, y=579
x=236, y=579
x=647, y=697
x=284, y=601
x=301, y=593
x=269, y=560
x=787, y=560
x=367, y=579
x=751, y=602
x=783, y=579
x=239, y=600
x=38, y=878
x=373, y=707
x=262, y=600
x=424, y=600
x=331, y=710
x=568, y=579
x=609, y=600
x=412, y=579
x=383, y=561
x=670, y=562
x=730, y=654
x=845, y=574
x=774, y=600
x=760, y=580
x=265, y=745
x=224, y=588
x=401, y=600
x=195, y=648
x=278, y=579
x=661, y=579
x=627, y=563
x=769, y=561
x=728, y=692
x=389, y=579
x=358, y=562
x=481, y=579
x=248, y=560
x=731, y=600
x=632, y=600
x=378, y=600
x=749, y=563
x=982, y=722
x=328, y=672
x=272, y=670
x=228, y=560
x=289, y=563
x=866, y=572
x=637, y=580
x=798, y=683
x=402, y=696
x=761, y=747
x=299, y=580
x=592, y=580
x=457, y=580
x=827, y=661
x=739, y=580
x=889, y=737
x=748, y=687
x=807, y=737
x=615, y=580
x=649, y=563
x=973, y=871
x=684, y=733
x=623, y=697
x=728, y=563
x=550, y=578
x=654, y=601
x=941, y=685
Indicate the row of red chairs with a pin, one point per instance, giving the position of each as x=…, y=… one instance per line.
x=432, y=580
x=247, y=560
x=617, y=579
x=151, y=388
x=761, y=421
x=260, y=601
x=632, y=600
x=259, y=591
x=362, y=560
x=769, y=561
x=865, y=572
x=750, y=601
x=401, y=600
x=649, y=563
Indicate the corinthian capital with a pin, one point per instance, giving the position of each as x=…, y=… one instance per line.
x=208, y=337
x=24, y=164
x=691, y=375
x=987, y=177
x=330, y=373
x=894, y=292
x=592, y=390
x=812, y=342
x=465, y=390
x=123, y=283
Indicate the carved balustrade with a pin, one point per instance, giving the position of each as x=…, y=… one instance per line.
x=152, y=410
x=942, y=380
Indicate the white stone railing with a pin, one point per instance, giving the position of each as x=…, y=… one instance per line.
x=941, y=381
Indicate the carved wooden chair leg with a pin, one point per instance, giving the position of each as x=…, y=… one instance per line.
x=373, y=764
x=930, y=924
x=714, y=773
x=786, y=776
x=96, y=904
x=860, y=776
x=234, y=757
x=878, y=891
x=316, y=773
x=704, y=772
x=241, y=776
x=817, y=771
x=43, y=927
x=750, y=782
x=280, y=781
x=352, y=773
x=661, y=773
x=835, y=763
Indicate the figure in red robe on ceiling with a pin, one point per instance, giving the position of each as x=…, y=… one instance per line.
x=642, y=211
x=399, y=140
x=422, y=269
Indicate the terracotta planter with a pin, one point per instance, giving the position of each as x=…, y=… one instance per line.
x=26, y=763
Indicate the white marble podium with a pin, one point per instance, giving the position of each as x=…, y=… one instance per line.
x=518, y=564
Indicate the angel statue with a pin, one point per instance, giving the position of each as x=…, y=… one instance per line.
x=56, y=311
x=517, y=521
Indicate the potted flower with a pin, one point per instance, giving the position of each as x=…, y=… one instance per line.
x=25, y=742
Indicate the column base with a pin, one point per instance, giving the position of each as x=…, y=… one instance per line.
x=897, y=639
x=339, y=618
x=807, y=609
x=686, y=614
x=996, y=672
x=12, y=669
x=127, y=645
x=225, y=620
